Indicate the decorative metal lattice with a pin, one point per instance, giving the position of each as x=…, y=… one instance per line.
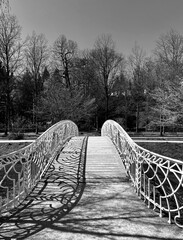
x=156, y=178
x=21, y=170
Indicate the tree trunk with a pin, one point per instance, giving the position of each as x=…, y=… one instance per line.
x=107, y=107
x=106, y=96
x=7, y=110
x=161, y=126
x=137, y=118
x=96, y=119
x=36, y=105
x=126, y=110
x=147, y=112
x=36, y=122
x=6, y=121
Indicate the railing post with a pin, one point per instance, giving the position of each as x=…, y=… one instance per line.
x=138, y=174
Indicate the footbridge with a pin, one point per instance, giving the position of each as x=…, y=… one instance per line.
x=66, y=186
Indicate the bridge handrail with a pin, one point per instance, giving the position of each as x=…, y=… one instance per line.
x=156, y=178
x=22, y=169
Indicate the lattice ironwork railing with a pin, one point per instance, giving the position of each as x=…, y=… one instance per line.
x=21, y=170
x=156, y=178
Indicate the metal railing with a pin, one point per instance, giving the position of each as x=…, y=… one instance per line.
x=22, y=169
x=157, y=179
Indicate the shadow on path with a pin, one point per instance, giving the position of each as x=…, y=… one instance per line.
x=111, y=211
x=51, y=199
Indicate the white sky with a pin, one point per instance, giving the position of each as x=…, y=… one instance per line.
x=84, y=20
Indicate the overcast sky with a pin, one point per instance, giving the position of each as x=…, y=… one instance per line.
x=84, y=20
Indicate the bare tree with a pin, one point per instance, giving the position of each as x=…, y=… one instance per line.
x=4, y=5
x=169, y=52
x=137, y=61
x=36, y=54
x=107, y=62
x=169, y=62
x=10, y=55
x=137, y=57
x=64, y=54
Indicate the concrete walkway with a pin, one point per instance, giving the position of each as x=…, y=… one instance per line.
x=109, y=207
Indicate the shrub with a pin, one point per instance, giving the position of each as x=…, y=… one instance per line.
x=17, y=129
x=16, y=136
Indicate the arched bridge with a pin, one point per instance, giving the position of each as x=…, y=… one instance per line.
x=95, y=177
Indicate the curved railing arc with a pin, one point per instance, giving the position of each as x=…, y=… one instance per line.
x=22, y=169
x=156, y=178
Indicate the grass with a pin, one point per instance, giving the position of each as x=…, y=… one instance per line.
x=6, y=148
x=172, y=150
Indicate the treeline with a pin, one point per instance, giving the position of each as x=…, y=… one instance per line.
x=42, y=84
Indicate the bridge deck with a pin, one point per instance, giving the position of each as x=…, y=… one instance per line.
x=105, y=208
x=109, y=207
x=103, y=161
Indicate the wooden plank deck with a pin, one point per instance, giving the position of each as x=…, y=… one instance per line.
x=103, y=161
x=107, y=206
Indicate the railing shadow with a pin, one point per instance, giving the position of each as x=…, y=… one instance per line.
x=50, y=200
